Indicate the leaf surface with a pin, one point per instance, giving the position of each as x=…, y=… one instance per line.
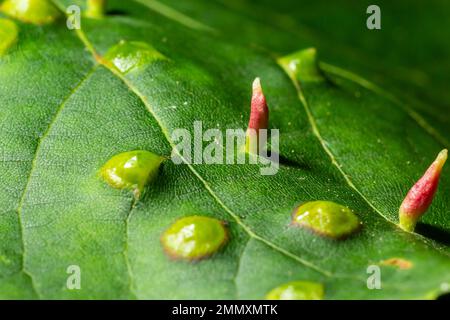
x=64, y=114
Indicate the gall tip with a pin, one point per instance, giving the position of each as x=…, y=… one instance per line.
x=441, y=158
x=257, y=85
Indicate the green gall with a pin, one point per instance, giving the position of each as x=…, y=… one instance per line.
x=327, y=218
x=302, y=66
x=130, y=55
x=31, y=11
x=194, y=237
x=297, y=290
x=131, y=170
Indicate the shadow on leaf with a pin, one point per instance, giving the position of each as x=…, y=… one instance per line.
x=437, y=234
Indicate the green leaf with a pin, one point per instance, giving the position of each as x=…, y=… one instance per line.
x=66, y=111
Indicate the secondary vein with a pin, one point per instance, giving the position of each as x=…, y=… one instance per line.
x=33, y=166
x=175, y=15
x=380, y=91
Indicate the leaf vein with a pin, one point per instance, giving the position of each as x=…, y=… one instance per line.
x=33, y=166
x=175, y=15
x=382, y=92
